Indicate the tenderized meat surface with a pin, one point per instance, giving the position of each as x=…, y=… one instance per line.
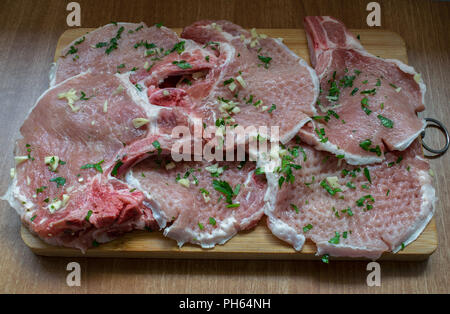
x=66, y=201
x=274, y=77
x=346, y=214
x=367, y=105
x=190, y=197
x=113, y=48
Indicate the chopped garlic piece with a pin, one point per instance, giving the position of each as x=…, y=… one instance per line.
x=206, y=197
x=118, y=90
x=274, y=152
x=80, y=180
x=52, y=161
x=20, y=159
x=236, y=110
x=58, y=204
x=216, y=27
x=170, y=165
x=333, y=182
x=264, y=108
x=184, y=182
x=232, y=86
x=254, y=43
x=65, y=199
x=138, y=122
x=54, y=206
x=398, y=89
x=241, y=81
x=198, y=75
x=417, y=78
x=105, y=106
x=12, y=173
x=166, y=93
x=214, y=169
x=71, y=96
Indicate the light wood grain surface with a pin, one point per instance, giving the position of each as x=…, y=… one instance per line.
x=29, y=33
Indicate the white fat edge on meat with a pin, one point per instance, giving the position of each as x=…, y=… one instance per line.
x=346, y=250
x=223, y=232
x=286, y=233
x=150, y=203
x=265, y=162
x=17, y=200
x=407, y=142
x=351, y=40
x=279, y=228
x=13, y=195
x=427, y=208
x=52, y=74
x=352, y=159
x=423, y=88
x=290, y=135
x=55, y=65
x=409, y=70
x=247, y=220
x=141, y=99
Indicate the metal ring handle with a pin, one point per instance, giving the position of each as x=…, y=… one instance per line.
x=443, y=129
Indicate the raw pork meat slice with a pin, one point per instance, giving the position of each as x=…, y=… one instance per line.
x=367, y=105
x=204, y=203
x=237, y=78
x=117, y=47
x=64, y=186
x=352, y=211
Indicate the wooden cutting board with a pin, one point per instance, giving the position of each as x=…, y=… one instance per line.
x=258, y=243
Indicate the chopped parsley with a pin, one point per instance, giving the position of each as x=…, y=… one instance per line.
x=112, y=45
x=366, y=145
x=367, y=175
x=178, y=47
x=182, y=64
x=272, y=108
x=225, y=188
x=321, y=134
x=88, y=215
x=335, y=239
x=364, y=106
x=96, y=166
x=307, y=228
x=265, y=60
x=329, y=189
x=60, y=181
x=366, y=199
x=115, y=170
x=386, y=122
x=41, y=189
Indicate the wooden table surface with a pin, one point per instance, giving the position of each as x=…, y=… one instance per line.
x=28, y=34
